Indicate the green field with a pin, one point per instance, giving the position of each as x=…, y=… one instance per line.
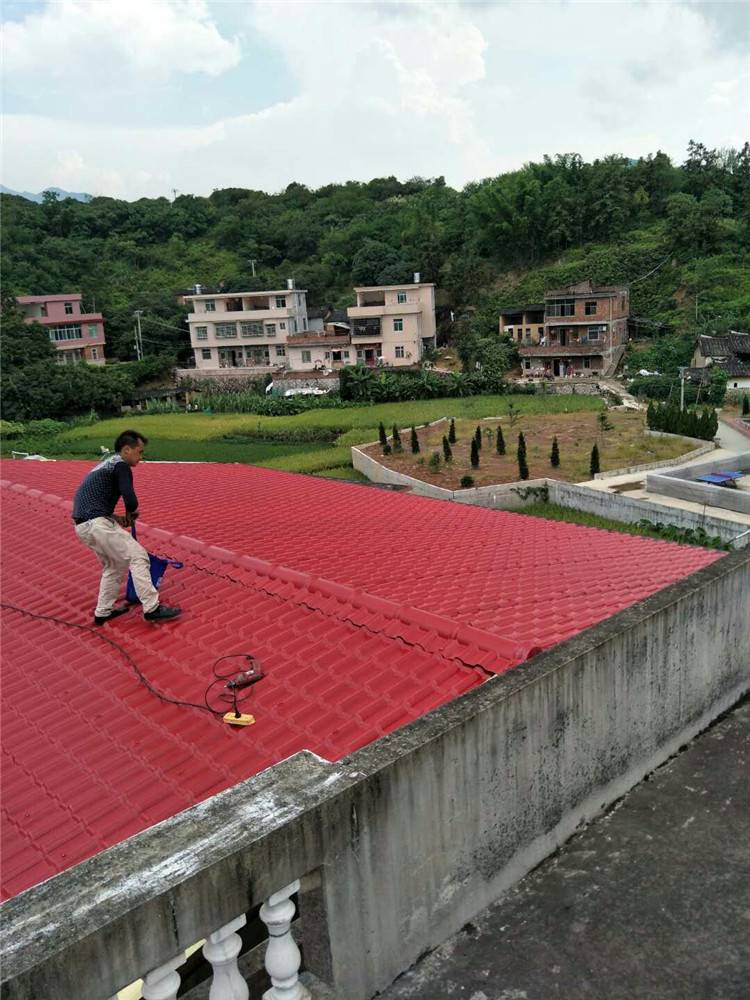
x=275, y=441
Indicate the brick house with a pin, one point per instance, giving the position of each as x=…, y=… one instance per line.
x=577, y=330
x=77, y=335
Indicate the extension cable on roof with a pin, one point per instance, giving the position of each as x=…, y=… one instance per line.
x=233, y=682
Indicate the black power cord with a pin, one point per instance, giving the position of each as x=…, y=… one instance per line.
x=233, y=682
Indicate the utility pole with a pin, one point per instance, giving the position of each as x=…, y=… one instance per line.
x=175, y=192
x=138, y=337
x=252, y=265
x=682, y=388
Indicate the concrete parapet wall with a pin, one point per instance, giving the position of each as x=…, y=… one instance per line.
x=413, y=835
x=630, y=510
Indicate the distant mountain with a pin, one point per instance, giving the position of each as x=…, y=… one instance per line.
x=75, y=195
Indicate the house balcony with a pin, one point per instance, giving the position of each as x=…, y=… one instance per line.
x=386, y=309
x=318, y=340
x=366, y=327
x=559, y=350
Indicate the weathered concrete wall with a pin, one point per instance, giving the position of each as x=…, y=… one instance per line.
x=416, y=833
x=681, y=483
x=630, y=510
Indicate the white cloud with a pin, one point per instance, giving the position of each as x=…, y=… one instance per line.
x=431, y=88
x=89, y=40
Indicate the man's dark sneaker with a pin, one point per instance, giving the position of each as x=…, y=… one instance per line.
x=162, y=614
x=114, y=613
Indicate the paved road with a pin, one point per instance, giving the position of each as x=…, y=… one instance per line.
x=652, y=902
x=732, y=439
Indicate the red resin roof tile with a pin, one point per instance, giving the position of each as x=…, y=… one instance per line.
x=366, y=608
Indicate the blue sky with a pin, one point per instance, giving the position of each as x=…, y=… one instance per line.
x=136, y=97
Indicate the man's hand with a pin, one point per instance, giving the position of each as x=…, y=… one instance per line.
x=126, y=520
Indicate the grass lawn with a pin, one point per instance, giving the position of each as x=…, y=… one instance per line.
x=624, y=445
x=274, y=441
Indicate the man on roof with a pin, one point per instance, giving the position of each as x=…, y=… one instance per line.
x=103, y=531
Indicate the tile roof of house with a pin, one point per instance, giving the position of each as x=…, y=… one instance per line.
x=724, y=347
x=367, y=609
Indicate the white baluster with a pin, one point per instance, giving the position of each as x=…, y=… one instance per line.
x=282, y=955
x=221, y=950
x=163, y=982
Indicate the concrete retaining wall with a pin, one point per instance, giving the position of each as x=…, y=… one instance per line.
x=630, y=510
x=410, y=837
x=701, y=448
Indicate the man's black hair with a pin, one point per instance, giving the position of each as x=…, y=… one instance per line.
x=130, y=438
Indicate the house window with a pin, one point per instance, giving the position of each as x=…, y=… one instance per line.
x=92, y=329
x=561, y=307
x=270, y=329
x=201, y=333
x=282, y=326
x=281, y=301
x=293, y=325
x=206, y=353
x=401, y=297
x=528, y=331
x=587, y=362
x=94, y=354
x=540, y=330
x=225, y=331
x=209, y=306
x=399, y=351
x=527, y=364
x=68, y=308
x=65, y=332
x=346, y=355
x=251, y=329
x=306, y=356
x=280, y=351
x=398, y=325
x=595, y=332
x=590, y=309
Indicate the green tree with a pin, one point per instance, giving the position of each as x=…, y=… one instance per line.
x=523, y=468
x=594, y=464
x=397, y=446
x=474, y=453
x=745, y=405
x=554, y=458
x=414, y=442
x=452, y=431
x=478, y=437
x=499, y=441
x=382, y=436
x=447, y=453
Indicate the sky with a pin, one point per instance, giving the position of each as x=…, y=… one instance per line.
x=141, y=98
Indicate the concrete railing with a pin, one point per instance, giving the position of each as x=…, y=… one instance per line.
x=401, y=843
x=701, y=448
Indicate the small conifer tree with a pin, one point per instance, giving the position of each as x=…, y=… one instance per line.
x=382, y=436
x=745, y=405
x=478, y=437
x=523, y=468
x=447, y=453
x=452, y=432
x=397, y=446
x=499, y=441
x=554, y=458
x=435, y=460
x=387, y=449
x=414, y=442
x=594, y=467
x=474, y=453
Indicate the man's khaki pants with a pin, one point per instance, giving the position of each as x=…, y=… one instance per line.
x=117, y=551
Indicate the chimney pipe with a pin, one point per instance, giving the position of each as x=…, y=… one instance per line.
x=290, y=284
x=198, y=289
x=417, y=277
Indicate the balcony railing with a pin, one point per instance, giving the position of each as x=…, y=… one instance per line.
x=367, y=328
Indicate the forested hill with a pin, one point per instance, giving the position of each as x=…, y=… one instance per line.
x=674, y=231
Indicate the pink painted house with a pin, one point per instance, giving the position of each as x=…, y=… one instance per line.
x=77, y=335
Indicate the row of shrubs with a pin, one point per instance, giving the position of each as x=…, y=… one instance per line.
x=396, y=445
x=668, y=417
